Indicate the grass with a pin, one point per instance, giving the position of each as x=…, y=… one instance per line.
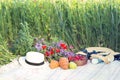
x=5, y=55
x=82, y=24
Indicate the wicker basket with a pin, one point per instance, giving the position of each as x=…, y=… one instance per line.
x=81, y=62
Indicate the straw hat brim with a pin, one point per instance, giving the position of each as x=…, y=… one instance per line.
x=24, y=64
x=82, y=53
x=102, y=49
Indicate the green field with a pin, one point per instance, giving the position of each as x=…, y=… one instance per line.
x=79, y=23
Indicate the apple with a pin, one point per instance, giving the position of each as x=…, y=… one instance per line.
x=72, y=65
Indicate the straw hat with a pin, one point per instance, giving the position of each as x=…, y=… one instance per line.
x=104, y=51
x=33, y=60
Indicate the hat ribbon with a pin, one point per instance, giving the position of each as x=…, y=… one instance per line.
x=36, y=64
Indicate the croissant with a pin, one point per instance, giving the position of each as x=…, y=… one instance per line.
x=63, y=62
x=54, y=64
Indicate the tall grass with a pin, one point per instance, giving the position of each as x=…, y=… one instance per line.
x=5, y=55
x=82, y=24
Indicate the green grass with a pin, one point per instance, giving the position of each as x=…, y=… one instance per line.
x=5, y=55
x=82, y=24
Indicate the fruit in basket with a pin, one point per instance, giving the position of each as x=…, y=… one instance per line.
x=80, y=60
x=72, y=65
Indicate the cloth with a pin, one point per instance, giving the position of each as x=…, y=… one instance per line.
x=102, y=71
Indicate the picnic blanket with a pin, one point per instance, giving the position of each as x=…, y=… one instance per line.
x=102, y=71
